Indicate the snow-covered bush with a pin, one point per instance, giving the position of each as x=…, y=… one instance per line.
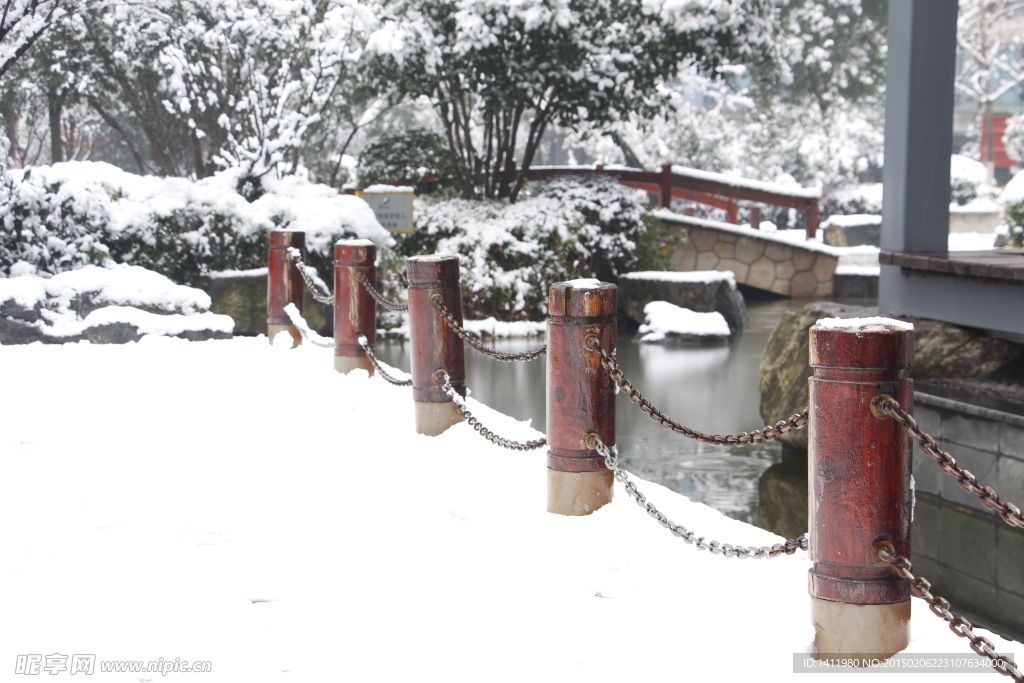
x=1013, y=198
x=65, y=216
x=1013, y=138
x=414, y=157
x=849, y=200
x=968, y=180
x=510, y=253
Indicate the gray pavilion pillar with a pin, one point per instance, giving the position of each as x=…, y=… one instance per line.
x=918, y=138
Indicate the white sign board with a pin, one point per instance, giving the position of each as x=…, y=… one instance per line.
x=393, y=209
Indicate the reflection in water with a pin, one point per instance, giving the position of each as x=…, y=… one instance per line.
x=782, y=496
x=713, y=389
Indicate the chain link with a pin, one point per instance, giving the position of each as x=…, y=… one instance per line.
x=486, y=350
x=889, y=407
x=292, y=311
x=484, y=431
x=295, y=256
x=781, y=428
x=378, y=297
x=611, y=460
x=940, y=607
x=380, y=367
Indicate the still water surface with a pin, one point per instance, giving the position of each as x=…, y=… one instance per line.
x=713, y=389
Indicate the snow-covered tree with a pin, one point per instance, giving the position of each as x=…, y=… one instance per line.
x=499, y=74
x=262, y=85
x=22, y=23
x=831, y=50
x=990, y=40
x=43, y=97
x=714, y=126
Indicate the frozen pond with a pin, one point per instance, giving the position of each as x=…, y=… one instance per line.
x=713, y=389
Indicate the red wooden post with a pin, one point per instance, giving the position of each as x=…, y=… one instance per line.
x=732, y=213
x=665, y=196
x=755, y=217
x=284, y=283
x=859, y=476
x=812, y=220
x=434, y=346
x=580, y=395
x=355, y=311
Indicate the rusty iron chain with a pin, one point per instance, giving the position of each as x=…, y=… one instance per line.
x=295, y=256
x=611, y=460
x=292, y=311
x=472, y=341
x=770, y=433
x=475, y=423
x=940, y=607
x=380, y=368
x=884, y=405
x=378, y=297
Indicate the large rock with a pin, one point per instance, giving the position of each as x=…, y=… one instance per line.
x=851, y=231
x=782, y=497
x=941, y=350
x=105, y=306
x=243, y=296
x=700, y=291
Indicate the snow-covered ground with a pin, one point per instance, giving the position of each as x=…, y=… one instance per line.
x=244, y=505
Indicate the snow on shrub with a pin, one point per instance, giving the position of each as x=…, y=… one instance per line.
x=968, y=180
x=68, y=215
x=510, y=253
x=1013, y=199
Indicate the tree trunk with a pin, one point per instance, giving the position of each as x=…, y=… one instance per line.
x=536, y=133
x=56, y=109
x=990, y=137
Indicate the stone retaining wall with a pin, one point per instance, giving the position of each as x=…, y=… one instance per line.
x=971, y=556
x=758, y=261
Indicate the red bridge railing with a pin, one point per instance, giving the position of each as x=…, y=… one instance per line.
x=712, y=189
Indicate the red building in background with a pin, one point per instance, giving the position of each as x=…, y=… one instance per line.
x=999, y=156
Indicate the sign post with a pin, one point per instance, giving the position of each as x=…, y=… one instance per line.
x=392, y=205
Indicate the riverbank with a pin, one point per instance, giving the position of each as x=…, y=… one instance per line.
x=245, y=505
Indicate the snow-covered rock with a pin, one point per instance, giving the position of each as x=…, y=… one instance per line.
x=852, y=230
x=668, y=323
x=702, y=291
x=106, y=306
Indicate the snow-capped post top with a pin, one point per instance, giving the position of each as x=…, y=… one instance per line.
x=861, y=343
x=354, y=243
x=433, y=271
x=584, y=297
x=861, y=324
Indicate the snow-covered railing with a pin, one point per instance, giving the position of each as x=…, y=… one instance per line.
x=704, y=187
x=861, y=400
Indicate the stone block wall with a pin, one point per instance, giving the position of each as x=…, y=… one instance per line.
x=987, y=442
x=972, y=557
x=758, y=261
x=243, y=296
